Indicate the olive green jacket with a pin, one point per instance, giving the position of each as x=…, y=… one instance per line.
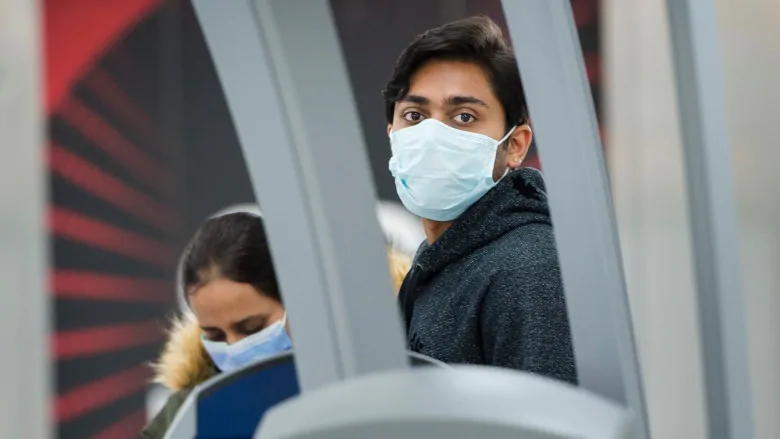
x=183, y=365
x=159, y=425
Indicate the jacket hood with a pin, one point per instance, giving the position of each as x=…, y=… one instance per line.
x=518, y=199
x=184, y=363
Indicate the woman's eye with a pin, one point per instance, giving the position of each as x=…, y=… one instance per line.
x=253, y=330
x=215, y=337
x=413, y=116
x=465, y=118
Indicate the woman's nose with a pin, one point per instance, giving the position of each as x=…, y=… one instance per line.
x=233, y=338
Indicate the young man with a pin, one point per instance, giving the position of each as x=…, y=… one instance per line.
x=485, y=287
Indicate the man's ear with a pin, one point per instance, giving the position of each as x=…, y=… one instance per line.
x=518, y=144
x=389, y=128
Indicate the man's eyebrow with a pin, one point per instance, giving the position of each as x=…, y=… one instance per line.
x=460, y=100
x=451, y=100
x=415, y=99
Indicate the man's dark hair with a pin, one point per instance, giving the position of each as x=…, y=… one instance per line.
x=475, y=39
x=232, y=246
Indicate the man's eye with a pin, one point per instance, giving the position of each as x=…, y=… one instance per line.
x=465, y=118
x=413, y=116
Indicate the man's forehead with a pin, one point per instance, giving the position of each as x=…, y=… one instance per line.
x=450, y=82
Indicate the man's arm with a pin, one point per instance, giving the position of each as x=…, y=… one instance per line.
x=525, y=324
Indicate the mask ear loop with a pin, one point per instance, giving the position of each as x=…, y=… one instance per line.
x=504, y=139
x=284, y=320
x=181, y=293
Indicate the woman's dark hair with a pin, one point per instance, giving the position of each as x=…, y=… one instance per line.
x=232, y=246
x=475, y=39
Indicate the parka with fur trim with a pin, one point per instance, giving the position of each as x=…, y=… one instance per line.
x=184, y=363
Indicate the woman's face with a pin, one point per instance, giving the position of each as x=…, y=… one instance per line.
x=229, y=311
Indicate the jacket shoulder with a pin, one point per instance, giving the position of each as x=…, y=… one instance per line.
x=532, y=243
x=526, y=260
x=162, y=421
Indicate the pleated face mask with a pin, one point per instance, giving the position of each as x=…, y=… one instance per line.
x=260, y=345
x=441, y=171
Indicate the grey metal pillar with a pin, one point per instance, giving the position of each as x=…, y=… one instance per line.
x=550, y=59
x=700, y=94
x=24, y=303
x=282, y=71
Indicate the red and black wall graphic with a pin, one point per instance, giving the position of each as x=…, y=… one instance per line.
x=115, y=217
x=141, y=148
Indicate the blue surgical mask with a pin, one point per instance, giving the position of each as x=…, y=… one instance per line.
x=260, y=345
x=441, y=171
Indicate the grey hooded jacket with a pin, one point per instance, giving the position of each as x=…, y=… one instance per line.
x=489, y=290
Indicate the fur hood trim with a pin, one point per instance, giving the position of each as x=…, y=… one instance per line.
x=184, y=362
x=400, y=264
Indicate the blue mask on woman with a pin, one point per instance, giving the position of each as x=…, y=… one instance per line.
x=260, y=345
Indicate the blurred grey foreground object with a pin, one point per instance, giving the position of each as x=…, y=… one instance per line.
x=187, y=420
x=713, y=218
x=549, y=55
x=461, y=402
x=306, y=160
x=26, y=369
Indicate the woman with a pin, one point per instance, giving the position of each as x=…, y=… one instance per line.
x=237, y=317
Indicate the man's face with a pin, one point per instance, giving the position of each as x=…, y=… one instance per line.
x=459, y=94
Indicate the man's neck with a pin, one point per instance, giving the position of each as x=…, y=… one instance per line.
x=434, y=229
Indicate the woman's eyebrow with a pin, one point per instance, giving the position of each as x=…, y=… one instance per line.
x=243, y=322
